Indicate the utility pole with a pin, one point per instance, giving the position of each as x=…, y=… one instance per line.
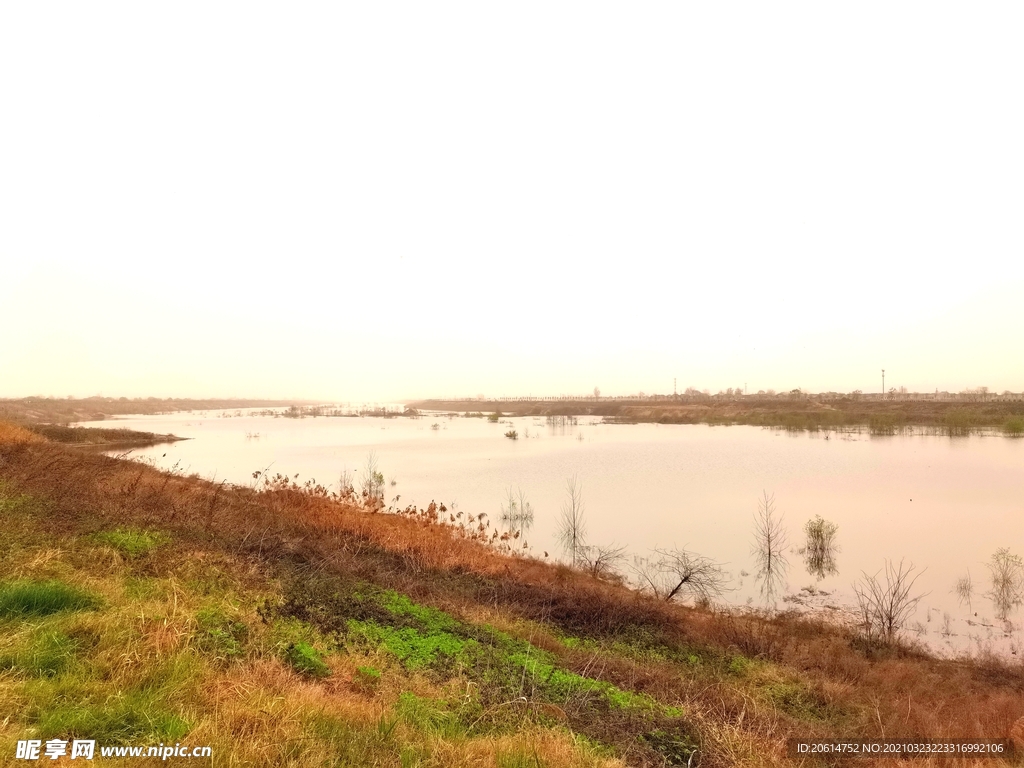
x=883, y=382
x=675, y=391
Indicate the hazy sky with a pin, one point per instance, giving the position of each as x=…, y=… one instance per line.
x=375, y=200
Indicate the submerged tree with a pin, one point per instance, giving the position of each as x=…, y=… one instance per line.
x=517, y=511
x=572, y=526
x=820, y=549
x=770, y=542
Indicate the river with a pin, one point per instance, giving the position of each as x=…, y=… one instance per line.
x=945, y=505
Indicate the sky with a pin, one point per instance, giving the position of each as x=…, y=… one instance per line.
x=386, y=201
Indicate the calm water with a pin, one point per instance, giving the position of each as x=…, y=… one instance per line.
x=944, y=504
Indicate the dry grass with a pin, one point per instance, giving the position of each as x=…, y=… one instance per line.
x=13, y=435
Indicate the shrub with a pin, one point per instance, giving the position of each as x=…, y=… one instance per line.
x=885, y=607
x=306, y=659
x=1014, y=426
x=883, y=424
x=958, y=422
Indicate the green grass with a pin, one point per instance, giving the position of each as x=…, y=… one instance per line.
x=220, y=635
x=675, y=747
x=24, y=597
x=366, y=679
x=115, y=719
x=132, y=543
x=306, y=659
x=47, y=652
x=415, y=649
x=352, y=744
x=433, y=716
x=429, y=639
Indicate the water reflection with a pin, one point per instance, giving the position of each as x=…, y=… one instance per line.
x=1007, y=572
x=561, y=425
x=964, y=590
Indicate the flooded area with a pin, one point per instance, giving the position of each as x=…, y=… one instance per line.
x=945, y=505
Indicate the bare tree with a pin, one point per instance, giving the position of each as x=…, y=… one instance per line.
x=572, y=526
x=770, y=541
x=886, y=606
x=680, y=572
x=602, y=562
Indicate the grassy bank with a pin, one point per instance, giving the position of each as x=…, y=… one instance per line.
x=96, y=437
x=284, y=626
x=880, y=417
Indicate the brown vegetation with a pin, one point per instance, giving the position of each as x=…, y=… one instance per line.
x=744, y=684
x=882, y=417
